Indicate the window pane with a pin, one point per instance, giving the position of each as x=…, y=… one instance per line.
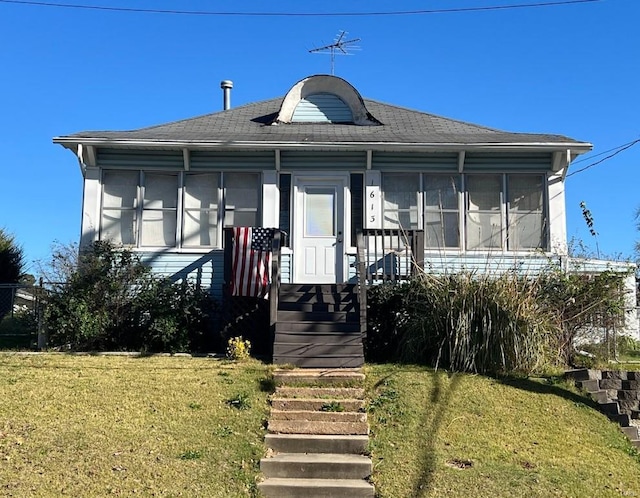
x=357, y=193
x=526, y=232
x=525, y=193
x=319, y=212
x=400, y=200
x=119, y=189
x=160, y=191
x=118, y=226
x=441, y=191
x=484, y=192
x=242, y=190
x=442, y=230
x=159, y=228
x=242, y=199
x=201, y=191
x=484, y=230
x=200, y=228
x=285, y=201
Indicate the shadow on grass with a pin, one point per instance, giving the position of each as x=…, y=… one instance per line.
x=545, y=386
x=430, y=427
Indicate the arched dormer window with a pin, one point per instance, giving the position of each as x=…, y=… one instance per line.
x=322, y=108
x=324, y=99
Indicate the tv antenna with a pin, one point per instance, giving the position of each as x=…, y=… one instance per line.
x=339, y=46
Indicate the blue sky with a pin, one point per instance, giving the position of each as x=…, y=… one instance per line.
x=565, y=69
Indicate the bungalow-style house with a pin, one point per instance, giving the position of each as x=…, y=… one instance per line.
x=322, y=164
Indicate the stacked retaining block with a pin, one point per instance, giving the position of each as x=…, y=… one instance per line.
x=317, y=436
x=617, y=394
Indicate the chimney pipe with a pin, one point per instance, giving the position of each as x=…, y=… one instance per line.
x=226, y=86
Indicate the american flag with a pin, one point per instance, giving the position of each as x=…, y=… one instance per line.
x=251, y=261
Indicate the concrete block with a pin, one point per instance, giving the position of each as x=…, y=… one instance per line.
x=633, y=375
x=600, y=397
x=627, y=394
x=583, y=374
x=631, y=384
x=610, y=408
x=588, y=385
x=614, y=375
x=621, y=419
x=611, y=384
x=315, y=427
x=631, y=432
x=319, y=392
x=312, y=416
x=626, y=406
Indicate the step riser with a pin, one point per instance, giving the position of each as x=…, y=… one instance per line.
x=317, y=327
x=346, y=349
x=318, y=316
x=278, y=490
x=319, y=377
x=327, y=428
x=293, y=404
x=295, y=443
x=333, y=393
x=318, y=416
x=327, y=362
x=297, y=470
x=318, y=307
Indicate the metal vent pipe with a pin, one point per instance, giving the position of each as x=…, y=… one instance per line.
x=226, y=86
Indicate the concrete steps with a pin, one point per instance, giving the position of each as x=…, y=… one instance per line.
x=617, y=394
x=318, y=436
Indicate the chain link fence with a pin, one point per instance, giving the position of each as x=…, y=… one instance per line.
x=21, y=310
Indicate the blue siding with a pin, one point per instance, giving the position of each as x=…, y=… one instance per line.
x=139, y=159
x=322, y=108
x=206, y=269
x=392, y=161
x=201, y=160
x=526, y=162
x=343, y=161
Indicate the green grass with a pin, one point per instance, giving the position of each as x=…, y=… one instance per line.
x=435, y=434
x=96, y=426
x=99, y=426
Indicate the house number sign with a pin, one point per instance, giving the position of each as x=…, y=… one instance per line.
x=372, y=211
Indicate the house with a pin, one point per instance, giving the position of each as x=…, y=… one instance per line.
x=323, y=164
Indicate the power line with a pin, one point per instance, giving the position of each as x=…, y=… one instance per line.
x=592, y=156
x=619, y=149
x=298, y=14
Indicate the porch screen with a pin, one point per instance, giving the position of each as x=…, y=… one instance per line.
x=441, y=211
x=119, y=192
x=401, y=200
x=526, y=214
x=484, y=212
x=159, y=210
x=242, y=199
x=200, y=221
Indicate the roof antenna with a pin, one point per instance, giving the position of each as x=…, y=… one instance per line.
x=338, y=46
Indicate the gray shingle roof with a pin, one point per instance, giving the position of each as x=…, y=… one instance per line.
x=251, y=123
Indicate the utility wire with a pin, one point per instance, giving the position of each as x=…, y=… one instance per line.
x=298, y=14
x=592, y=156
x=620, y=149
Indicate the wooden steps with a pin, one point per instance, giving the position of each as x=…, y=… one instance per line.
x=319, y=326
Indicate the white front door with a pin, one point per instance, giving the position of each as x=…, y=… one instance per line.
x=319, y=229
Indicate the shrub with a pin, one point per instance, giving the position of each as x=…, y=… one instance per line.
x=489, y=323
x=11, y=269
x=113, y=301
x=238, y=348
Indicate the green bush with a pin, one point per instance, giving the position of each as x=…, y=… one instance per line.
x=112, y=301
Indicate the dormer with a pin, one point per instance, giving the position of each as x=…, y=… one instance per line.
x=324, y=99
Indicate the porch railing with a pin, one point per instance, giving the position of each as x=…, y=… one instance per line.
x=386, y=254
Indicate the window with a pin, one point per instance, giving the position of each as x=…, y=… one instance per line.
x=476, y=211
x=526, y=213
x=241, y=199
x=441, y=211
x=119, y=202
x=158, y=209
x=200, y=221
x=357, y=199
x=285, y=208
x=484, y=211
x=401, y=200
